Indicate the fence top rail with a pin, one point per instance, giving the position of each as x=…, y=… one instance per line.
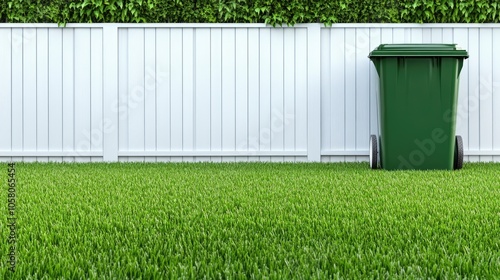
x=134, y=25
x=250, y=25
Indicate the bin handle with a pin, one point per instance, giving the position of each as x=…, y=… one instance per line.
x=460, y=66
x=376, y=63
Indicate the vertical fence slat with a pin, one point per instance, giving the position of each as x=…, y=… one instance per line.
x=68, y=93
x=188, y=110
x=496, y=92
x=96, y=90
x=485, y=91
x=136, y=89
x=313, y=93
x=350, y=91
x=276, y=125
x=252, y=143
x=301, y=89
x=362, y=90
x=436, y=36
x=265, y=92
x=17, y=90
x=428, y=35
x=163, y=77
x=375, y=38
x=202, y=85
x=228, y=90
x=176, y=104
x=55, y=100
x=215, y=91
x=386, y=35
x=401, y=35
x=241, y=101
x=416, y=35
x=326, y=90
x=460, y=36
x=123, y=106
x=150, y=88
x=42, y=93
x=473, y=98
x=288, y=116
x=447, y=36
x=29, y=91
x=338, y=56
x=110, y=111
x=6, y=89
x=82, y=91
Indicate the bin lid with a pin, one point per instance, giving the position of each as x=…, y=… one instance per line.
x=418, y=50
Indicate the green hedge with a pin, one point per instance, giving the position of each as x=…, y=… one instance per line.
x=275, y=12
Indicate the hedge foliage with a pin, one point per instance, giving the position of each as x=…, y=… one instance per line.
x=275, y=12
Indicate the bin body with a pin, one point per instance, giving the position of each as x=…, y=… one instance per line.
x=418, y=102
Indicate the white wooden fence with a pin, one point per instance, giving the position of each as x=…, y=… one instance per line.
x=219, y=92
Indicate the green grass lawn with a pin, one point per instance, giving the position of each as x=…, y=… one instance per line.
x=253, y=220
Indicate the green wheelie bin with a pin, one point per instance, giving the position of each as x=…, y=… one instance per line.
x=417, y=106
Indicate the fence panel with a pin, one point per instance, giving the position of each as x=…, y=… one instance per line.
x=51, y=93
x=212, y=93
x=220, y=92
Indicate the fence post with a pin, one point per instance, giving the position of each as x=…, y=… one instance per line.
x=110, y=72
x=313, y=92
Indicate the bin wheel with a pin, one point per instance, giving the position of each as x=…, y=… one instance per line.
x=458, y=162
x=373, y=152
x=379, y=158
